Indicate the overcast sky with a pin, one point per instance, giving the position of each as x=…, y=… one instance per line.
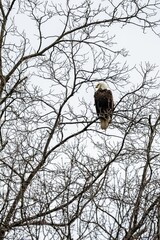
x=142, y=47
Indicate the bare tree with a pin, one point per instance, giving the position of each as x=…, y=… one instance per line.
x=61, y=177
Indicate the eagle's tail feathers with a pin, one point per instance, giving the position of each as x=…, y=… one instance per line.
x=104, y=122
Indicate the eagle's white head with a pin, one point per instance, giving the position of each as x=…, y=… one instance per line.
x=102, y=86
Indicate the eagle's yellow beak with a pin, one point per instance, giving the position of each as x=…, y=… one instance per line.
x=97, y=86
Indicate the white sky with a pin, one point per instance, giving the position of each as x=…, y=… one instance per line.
x=142, y=47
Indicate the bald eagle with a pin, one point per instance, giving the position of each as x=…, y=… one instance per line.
x=104, y=104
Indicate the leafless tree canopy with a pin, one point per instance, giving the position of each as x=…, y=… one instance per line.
x=61, y=177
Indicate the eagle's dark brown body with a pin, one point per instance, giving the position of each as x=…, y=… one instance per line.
x=104, y=106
